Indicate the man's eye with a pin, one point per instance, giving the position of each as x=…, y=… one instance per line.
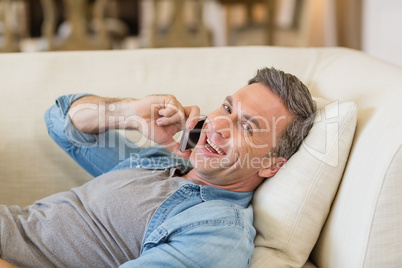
x=227, y=108
x=247, y=128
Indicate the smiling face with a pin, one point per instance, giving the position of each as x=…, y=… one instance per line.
x=233, y=150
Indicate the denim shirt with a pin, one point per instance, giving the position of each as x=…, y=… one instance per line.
x=197, y=226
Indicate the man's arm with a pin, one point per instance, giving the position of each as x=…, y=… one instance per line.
x=4, y=264
x=94, y=114
x=158, y=117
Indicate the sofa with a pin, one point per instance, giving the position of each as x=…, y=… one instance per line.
x=338, y=206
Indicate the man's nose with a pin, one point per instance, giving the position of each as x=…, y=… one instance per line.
x=223, y=125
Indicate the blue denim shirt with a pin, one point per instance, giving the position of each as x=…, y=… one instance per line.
x=197, y=226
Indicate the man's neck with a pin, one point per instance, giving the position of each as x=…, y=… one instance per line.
x=245, y=186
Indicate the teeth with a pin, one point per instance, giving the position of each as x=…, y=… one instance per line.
x=206, y=147
x=214, y=146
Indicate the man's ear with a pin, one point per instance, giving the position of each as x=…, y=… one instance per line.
x=273, y=168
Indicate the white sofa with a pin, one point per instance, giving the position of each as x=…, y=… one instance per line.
x=360, y=227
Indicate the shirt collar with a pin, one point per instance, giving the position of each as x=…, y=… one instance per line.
x=209, y=193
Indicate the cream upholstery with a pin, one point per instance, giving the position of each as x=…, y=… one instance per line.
x=364, y=226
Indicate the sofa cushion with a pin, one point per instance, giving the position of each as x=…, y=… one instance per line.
x=291, y=207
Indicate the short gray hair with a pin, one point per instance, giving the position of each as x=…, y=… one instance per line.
x=299, y=102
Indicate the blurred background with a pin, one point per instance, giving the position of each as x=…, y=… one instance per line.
x=373, y=26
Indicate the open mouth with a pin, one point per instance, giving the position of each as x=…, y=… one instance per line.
x=213, y=148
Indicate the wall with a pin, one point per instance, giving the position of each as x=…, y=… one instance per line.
x=382, y=29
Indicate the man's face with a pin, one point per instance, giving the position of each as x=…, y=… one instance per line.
x=233, y=148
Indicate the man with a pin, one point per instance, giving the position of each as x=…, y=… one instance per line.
x=155, y=206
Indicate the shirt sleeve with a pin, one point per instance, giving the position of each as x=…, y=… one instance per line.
x=59, y=124
x=98, y=153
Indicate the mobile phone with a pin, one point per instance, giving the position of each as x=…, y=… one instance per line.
x=190, y=137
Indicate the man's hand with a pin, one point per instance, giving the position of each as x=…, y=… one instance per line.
x=165, y=116
x=157, y=117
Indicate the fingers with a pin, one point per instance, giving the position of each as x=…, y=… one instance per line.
x=193, y=115
x=171, y=112
x=176, y=118
x=175, y=113
x=171, y=117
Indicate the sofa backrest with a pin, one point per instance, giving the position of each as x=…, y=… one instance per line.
x=364, y=227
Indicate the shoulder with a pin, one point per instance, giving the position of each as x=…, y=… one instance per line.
x=214, y=216
x=225, y=210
